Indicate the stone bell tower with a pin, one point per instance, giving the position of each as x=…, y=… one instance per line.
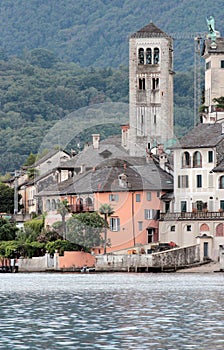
x=150, y=89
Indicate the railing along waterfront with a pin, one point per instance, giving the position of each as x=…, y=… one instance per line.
x=200, y=215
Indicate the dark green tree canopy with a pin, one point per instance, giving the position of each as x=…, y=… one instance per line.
x=85, y=229
x=7, y=230
x=7, y=199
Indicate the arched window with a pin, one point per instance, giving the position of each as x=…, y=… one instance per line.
x=148, y=56
x=197, y=160
x=221, y=182
x=88, y=203
x=53, y=204
x=48, y=204
x=79, y=204
x=141, y=56
x=186, y=160
x=156, y=56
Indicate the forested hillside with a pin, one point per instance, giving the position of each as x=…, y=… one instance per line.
x=95, y=33
x=34, y=98
x=59, y=56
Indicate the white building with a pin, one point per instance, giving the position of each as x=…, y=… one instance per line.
x=197, y=213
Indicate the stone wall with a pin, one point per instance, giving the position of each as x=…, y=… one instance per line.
x=168, y=260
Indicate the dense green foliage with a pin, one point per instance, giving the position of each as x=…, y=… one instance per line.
x=33, y=99
x=7, y=199
x=85, y=229
x=95, y=33
x=7, y=230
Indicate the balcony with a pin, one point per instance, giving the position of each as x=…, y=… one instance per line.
x=81, y=208
x=200, y=215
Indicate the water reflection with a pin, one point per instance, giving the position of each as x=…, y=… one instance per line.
x=112, y=311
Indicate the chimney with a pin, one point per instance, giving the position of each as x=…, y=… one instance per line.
x=96, y=141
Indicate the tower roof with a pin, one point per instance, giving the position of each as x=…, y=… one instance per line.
x=150, y=30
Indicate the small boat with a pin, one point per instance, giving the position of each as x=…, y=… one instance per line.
x=86, y=269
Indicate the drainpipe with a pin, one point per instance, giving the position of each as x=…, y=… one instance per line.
x=133, y=216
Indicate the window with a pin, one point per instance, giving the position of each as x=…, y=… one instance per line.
x=221, y=182
x=155, y=83
x=222, y=64
x=186, y=160
x=222, y=204
x=115, y=224
x=149, y=214
x=197, y=160
x=140, y=225
x=199, y=181
x=208, y=65
x=53, y=204
x=152, y=214
x=113, y=197
x=210, y=156
x=48, y=204
x=138, y=197
x=156, y=55
x=199, y=205
x=183, y=206
x=141, y=83
x=88, y=202
x=151, y=232
x=172, y=228
x=148, y=56
x=141, y=56
x=183, y=181
x=148, y=196
x=188, y=228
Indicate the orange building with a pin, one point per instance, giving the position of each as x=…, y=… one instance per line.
x=134, y=188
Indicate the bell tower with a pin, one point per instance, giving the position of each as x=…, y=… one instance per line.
x=150, y=89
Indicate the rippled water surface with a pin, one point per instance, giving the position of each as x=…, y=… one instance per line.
x=112, y=311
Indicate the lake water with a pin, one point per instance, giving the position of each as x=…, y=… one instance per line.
x=112, y=311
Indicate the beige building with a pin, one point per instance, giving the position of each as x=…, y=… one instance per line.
x=150, y=89
x=213, y=53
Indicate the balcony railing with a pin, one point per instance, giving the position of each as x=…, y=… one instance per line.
x=200, y=215
x=81, y=208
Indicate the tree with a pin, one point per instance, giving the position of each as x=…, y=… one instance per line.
x=63, y=209
x=7, y=230
x=7, y=199
x=85, y=229
x=106, y=210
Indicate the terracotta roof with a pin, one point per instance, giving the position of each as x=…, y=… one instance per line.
x=150, y=30
x=202, y=136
